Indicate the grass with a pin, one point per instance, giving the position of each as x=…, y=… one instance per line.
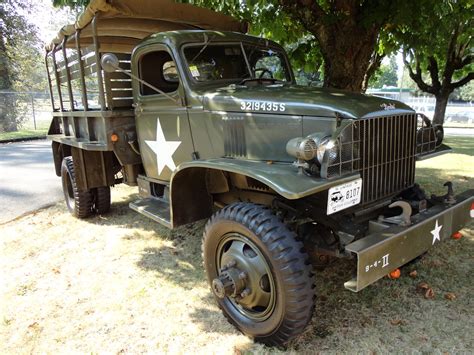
x=120, y=283
x=27, y=130
x=457, y=167
x=23, y=133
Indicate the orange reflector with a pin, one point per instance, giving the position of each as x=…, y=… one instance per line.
x=114, y=138
x=456, y=235
x=395, y=274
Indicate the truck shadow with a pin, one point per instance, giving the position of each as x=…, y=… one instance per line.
x=382, y=308
x=388, y=305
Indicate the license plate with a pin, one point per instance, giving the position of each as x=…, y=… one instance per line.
x=344, y=196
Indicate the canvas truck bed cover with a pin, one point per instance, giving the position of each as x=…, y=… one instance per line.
x=120, y=23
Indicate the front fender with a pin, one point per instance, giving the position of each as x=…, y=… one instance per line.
x=283, y=178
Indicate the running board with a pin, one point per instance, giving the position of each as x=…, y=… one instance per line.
x=155, y=208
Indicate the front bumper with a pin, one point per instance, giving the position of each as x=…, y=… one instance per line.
x=381, y=252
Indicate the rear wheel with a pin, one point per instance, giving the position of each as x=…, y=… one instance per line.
x=258, y=272
x=102, y=199
x=79, y=203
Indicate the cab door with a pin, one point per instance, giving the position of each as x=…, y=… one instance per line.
x=161, y=120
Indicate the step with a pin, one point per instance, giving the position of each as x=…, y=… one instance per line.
x=155, y=208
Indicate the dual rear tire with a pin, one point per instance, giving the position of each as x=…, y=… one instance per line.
x=82, y=203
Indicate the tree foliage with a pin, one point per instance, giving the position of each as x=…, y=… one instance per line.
x=21, y=66
x=466, y=92
x=73, y=4
x=386, y=75
x=439, y=45
x=345, y=40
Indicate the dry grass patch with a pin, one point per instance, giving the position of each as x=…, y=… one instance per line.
x=120, y=283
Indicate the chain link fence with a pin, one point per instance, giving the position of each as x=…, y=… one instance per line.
x=24, y=111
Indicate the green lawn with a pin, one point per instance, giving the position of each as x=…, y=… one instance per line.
x=23, y=133
x=457, y=167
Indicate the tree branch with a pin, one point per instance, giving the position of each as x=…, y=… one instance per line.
x=433, y=69
x=451, y=57
x=463, y=81
x=374, y=64
x=416, y=75
x=298, y=9
x=466, y=61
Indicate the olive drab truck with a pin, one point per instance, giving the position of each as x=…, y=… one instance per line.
x=209, y=123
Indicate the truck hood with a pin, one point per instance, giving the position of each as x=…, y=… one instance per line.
x=299, y=100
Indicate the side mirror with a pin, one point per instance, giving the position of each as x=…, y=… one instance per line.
x=109, y=62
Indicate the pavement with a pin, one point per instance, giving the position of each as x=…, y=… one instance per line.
x=27, y=178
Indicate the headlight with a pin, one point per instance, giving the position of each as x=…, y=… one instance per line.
x=326, y=144
x=302, y=148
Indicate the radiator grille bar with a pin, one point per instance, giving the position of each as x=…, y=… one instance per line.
x=387, y=159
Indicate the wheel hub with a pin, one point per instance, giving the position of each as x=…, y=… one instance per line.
x=244, y=278
x=230, y=282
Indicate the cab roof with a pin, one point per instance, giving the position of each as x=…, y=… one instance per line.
x=178, y=38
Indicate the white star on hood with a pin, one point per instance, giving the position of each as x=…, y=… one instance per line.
x=163, y=149
x=435, y=232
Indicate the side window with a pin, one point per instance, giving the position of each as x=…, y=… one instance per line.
x=158, y=69
x=270, y=67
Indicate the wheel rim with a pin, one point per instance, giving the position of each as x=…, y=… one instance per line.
x=245, y=278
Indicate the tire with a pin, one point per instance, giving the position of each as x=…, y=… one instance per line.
x=277, y=300
x=79, y=203
x=102, y=200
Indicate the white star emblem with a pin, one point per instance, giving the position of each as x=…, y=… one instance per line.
x=435, y=233
x=163, y=149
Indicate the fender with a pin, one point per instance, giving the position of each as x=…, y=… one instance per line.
x=283, y=178
x=280, y=177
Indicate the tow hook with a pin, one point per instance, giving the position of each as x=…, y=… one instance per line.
x=448, y=197
x=402, y=219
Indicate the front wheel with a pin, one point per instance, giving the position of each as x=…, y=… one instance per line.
x=258, y=272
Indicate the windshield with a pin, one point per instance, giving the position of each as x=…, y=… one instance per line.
x=235, y=62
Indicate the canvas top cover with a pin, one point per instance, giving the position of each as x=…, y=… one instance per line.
x=121, y=23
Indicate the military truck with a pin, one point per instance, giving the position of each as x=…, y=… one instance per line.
x=209, y=123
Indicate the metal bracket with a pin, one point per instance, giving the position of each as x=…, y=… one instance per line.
x=448, y=197
x=402, y=219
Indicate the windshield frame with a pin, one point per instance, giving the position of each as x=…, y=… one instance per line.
x=241, y=44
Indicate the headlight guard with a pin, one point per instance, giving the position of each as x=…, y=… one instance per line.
x=341, y=151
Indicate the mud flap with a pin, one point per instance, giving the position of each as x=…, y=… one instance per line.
x=385, y=250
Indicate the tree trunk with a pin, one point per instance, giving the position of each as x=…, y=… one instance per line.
x=347, y=57
x=440, y=107
x=346, y=39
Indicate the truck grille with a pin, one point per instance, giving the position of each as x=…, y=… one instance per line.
x=387, y=155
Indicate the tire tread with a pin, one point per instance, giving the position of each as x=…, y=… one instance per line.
x=290, y=259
